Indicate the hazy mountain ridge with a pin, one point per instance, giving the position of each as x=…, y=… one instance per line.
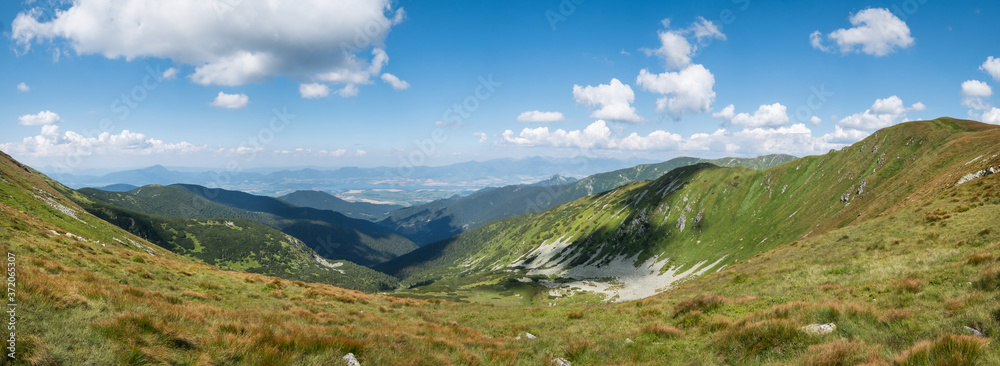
x=463, y=175
x=325, y=201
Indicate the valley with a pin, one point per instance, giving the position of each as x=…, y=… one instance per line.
x=894, y=240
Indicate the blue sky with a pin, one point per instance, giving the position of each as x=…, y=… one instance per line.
x=364, y=83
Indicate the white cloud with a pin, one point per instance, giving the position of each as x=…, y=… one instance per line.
x=883, y=113
x=539, y=116
x=348, y=90
x=23, y=87
x=676, y=46
x=686, y=91
x=876, y=32
x=973, y=93
x=613, y=101
x=816, y=40
x=227, y=44
x=170, y=74
x=395, y=82
x=482, y=136
x=51, y=143
x=41, y=118
x=674, y=49
x=992, y=116
x=815, y=121
x=976, y=89
x=314, y=90
x=794, y=139
x=360, y=153
x=595, y=135
x=231, y=101
x=845, y=135
x=768, y=115
x=992, y=67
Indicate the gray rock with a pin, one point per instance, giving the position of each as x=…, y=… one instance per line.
x=529, y=336
x=350, y=360
x=974, y=331
x=561, y=362
x=819, y=329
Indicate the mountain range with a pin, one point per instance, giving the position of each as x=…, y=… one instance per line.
x=884, y=252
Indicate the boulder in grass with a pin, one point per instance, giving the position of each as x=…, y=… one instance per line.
x=529, y=336
x=561, y=362
x=350, y=360
x=819, y=329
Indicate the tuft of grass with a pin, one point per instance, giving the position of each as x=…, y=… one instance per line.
x=663, y=331
x=765, y=339
x=979, y=258
x=910, y=284
x=575, y=315
x=989, y=280
x=840, y=353
x=950, y=349
x=703, y=303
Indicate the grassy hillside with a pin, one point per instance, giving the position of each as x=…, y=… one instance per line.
x=900, y=287
x=697, y=219
x=443, y=219
x=242, y=245
x=325, y=201
x=330, y=234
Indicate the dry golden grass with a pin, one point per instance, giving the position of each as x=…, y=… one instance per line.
x=947, y=350
x=841, y=353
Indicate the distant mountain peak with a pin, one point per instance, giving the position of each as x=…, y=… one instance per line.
x=556, y=180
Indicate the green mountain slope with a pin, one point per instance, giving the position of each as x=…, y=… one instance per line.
x=644, y=237
x=332, y=235
x=443, y=219
x=325, y=201
x=241, y=245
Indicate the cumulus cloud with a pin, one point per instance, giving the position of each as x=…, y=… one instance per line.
x=772, y=115
x=595, y=135
x=976, y=89
x=676, y=46
x=228, y=45
x=974, y=93
x=613, y=101
x=816, y=121
x=690, y=88
x=687, y=91
x=231, y=101
x=992, y=116
x=314, y=90
x=40, y=118
x=395, y=82
x=795, y=139
x=992, y=67
x=23, y=87
x=539, y=116
x=482, y=136
x=883, y=113
x=876, y=32
x=170, y=74
x=51, y=142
